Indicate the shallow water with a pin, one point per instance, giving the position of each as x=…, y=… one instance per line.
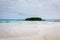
x=22, y=21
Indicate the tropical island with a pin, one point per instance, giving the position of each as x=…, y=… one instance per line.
x=33, y=19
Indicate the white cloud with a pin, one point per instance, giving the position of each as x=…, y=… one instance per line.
x=43, y=8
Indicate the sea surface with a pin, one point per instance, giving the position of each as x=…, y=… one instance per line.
x=23, y=21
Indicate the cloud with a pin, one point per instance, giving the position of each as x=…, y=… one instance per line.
x=26, y=8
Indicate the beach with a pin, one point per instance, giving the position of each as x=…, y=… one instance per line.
x=41, y=31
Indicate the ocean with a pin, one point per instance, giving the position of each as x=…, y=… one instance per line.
x=23, y=21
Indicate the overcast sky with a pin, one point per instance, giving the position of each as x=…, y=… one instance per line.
x=18, y=9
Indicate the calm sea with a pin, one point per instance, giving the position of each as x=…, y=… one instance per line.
x=23, y=21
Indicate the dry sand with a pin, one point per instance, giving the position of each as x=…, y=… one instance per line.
x=16, y=31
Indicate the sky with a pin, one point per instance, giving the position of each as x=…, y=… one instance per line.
x=20, y=9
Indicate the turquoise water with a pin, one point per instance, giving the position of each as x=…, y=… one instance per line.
x=22, y=21
x=9, y=20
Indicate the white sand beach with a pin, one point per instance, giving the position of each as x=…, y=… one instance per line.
x=17, y=31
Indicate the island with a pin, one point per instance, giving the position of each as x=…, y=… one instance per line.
x=33, y=19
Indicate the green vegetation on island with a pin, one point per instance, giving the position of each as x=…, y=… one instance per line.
x=33, y=19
